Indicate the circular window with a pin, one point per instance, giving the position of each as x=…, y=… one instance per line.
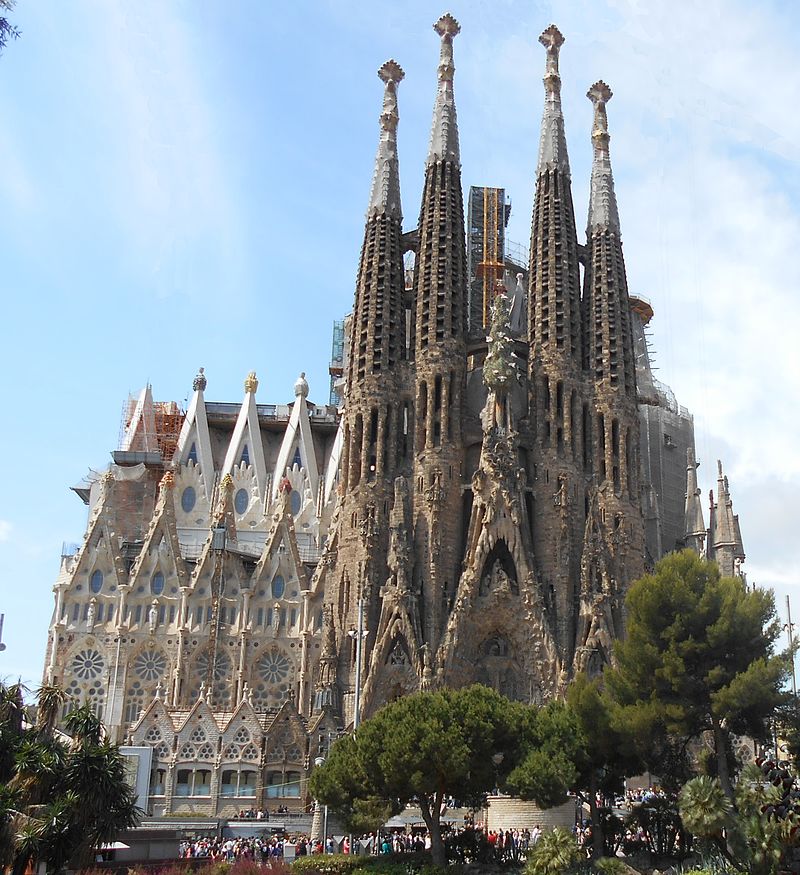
x=278, y=586
x=150, y=664
x=87, y=664
x=295, y=501
x=188, y=498
x=157, y=583
x=240, y=501
x=273, y=666
x=96, y=581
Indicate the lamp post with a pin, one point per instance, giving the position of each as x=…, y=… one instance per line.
x=318, y=762
x=789, y=627
x=359, y=634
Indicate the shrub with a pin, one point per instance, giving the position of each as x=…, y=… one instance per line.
x=555, y=853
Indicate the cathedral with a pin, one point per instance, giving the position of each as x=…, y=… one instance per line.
x=256, y=578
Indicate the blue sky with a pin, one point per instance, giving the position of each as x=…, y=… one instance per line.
x=183, y=184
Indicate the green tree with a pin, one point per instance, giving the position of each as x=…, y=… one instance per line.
x=423, y=748
x=60, y=799
x=606, y=754
x=698, y=657
x=7, y=29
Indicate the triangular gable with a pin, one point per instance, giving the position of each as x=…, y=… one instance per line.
x=154, y=714
x=282, y=531
x=207, y=718
x=140, y=432
x=162, y=530
x=224, y=516
x=297, y=436
x=194, y=441
x=100, y=529
x=334, y=460
x=246, y=445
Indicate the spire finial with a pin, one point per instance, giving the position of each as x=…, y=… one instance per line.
x=251, y=383
x=444, y=133
x=603, y=212
x=600, y=94
x=200, y=382
x=552, y=39
x=385, y=195
x=553, y=143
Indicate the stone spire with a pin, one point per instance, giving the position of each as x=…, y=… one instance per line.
x=603, y=213
x=385, y=195
x=378, y=314
x=609, y=354
x=554, y=298
x=440, y=321
x=725, y=545
x=694, y=526
x=553, y=142
x=444, y=131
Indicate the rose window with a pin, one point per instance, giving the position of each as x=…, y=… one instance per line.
x=153, y=735
x=242, y=735
x=274, y=666
x=186, y=752
x=162, y=751
x=150, y=665
x=222, y=666
x=250, y=753
x=206, y=752
x=87, y=664
x=198, y=735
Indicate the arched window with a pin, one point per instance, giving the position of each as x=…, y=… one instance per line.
x=96, y=581
x=278, y=586
x=240, y=501
x=157, y=583
x=188, y=498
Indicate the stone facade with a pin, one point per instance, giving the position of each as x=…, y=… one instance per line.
x=474, y=507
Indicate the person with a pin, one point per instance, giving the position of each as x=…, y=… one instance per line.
x=386, y=847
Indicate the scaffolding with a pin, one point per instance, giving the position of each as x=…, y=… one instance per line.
x=488, y=211
x=150, y=427
x=336, y=368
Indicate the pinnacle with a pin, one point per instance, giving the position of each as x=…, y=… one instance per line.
x=447, y=26
x=391, y=71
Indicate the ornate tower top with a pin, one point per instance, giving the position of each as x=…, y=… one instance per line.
x=301, y=386
x=694, y=526
x=553, y=142
x=603, y=212
x=444, y=131
x=251, y=383
x=200, y=382
x=385, y=195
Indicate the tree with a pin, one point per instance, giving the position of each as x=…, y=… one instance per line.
x=699, y=657
x=7, y=30
x=424, y=748
x=606, y=754
x=60, y=800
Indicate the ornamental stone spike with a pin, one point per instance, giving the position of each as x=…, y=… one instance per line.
x=603, y=211
x=385, y=194
x=553, y=142
x=199, y=384
x=444, y=131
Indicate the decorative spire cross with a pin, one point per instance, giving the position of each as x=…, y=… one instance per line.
x=385, y=195
x=444, y=132
x=553, y=142
x=603, y=211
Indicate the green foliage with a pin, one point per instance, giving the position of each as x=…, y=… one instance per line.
x=556, y=853
x=59, y=801
x=662, y=826
x=610, y=866
x=425, y=747
x=344, y=864
x=7, y=29
x=752, y=841
x=698, y=656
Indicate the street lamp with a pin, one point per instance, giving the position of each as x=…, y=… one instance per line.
x=318, y=762
x=359, y=634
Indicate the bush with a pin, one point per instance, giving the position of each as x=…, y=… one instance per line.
x=610, y=866
x=556, y=853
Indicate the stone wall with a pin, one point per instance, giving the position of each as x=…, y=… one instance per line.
x=505, y=813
